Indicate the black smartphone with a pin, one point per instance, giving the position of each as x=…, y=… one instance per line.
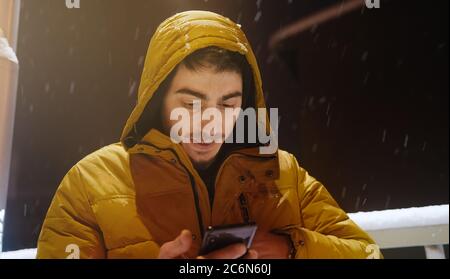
x=219, y=237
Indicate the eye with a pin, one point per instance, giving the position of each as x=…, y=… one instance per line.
x=227, y=105
x=190, y=103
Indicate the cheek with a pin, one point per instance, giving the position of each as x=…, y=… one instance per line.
x=166, y=122
x=167, y=107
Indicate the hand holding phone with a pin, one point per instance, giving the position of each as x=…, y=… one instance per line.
x=220, y=237
x=177, y=248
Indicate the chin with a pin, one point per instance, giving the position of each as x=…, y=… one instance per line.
x=201, y=158
x=201, y=161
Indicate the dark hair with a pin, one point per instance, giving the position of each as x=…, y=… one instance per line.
x=221, y=59
x=218, y=58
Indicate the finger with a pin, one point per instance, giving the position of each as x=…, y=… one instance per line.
x=177, y=247
x=251, y=255
x=233, y=251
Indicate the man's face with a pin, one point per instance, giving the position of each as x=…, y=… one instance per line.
x=211, y=89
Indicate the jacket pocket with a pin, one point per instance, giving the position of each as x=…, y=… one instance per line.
x=118, y=221
x=166, y=214
x=272, y=206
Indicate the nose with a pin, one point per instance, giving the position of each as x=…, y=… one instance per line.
x=211, y=129
x=208, y=123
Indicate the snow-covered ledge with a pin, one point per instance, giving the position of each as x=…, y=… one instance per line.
x=20, y=254
x=417, y=226
x=396, y=228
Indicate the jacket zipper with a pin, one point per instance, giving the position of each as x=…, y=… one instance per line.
x=243, y=203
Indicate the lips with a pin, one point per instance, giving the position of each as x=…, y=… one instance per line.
x=202, y=146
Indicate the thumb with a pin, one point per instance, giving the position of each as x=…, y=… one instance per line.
x=176, y=247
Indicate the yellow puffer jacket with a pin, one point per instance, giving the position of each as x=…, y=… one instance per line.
x=125, y=200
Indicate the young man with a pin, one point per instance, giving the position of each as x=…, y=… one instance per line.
x=151, y=197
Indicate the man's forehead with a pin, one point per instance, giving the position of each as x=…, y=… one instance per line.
x=207, y=83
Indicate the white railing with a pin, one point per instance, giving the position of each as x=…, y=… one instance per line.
x=397, y=228
x=409, y=227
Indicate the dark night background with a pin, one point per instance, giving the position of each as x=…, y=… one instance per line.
x=363, y=98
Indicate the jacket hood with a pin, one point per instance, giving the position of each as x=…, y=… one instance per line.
x=175, y=39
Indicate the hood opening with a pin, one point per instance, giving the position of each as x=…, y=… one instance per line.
x=151, y=115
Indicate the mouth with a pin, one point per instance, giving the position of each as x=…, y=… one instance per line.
x=202, y=147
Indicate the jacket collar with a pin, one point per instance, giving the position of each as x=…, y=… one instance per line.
x=155, y=143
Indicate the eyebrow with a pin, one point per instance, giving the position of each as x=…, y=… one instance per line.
x=203, y=96
x=194, y=93
x=232, y=95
